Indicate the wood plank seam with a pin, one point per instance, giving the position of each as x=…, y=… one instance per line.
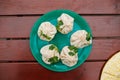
x=34, y=61
x=22, y=15
x=25, y=38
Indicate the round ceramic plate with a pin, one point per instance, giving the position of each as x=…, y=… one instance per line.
x=60, y=40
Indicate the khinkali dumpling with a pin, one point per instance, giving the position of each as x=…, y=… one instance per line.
x=46, y=31
x=80, y=39
x=69, y=56
x=65, y=23
x=50, y=54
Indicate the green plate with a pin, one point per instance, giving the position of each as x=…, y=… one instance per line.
x=60, y=40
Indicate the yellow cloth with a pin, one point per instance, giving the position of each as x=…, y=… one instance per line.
x=111, y=70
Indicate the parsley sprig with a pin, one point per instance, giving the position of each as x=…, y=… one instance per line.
x=73, y=50
x=52, y=47
x=88, y=36
x=58, y=25
x=71, y=53
x=46, y=36
x=53, y=60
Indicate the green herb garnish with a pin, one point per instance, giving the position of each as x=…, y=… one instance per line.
x=88, y=36
x=52, y=47
x=76, y=50
x=72, y=48
x=44, y=35
x=71, y=53
x=53, y=60
x=58, y=25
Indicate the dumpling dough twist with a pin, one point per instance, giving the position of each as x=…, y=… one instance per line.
x=46, y=31
x=48, y=53
x=79, y=39
x=67, y=59
x=67, y=23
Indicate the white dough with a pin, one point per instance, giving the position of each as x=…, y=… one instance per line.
x=47, y=53
x=68, y=59
x=67, y=23
x=78, y=39
x=48, y=29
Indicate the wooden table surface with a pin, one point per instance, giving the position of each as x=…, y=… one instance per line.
x=17, y=18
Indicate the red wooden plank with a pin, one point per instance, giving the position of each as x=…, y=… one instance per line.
x=18, y=50
x=11, y=7
x=15, y=50
x=33, y=71
x=104, y=26
x=17, y=27
x=104, y=49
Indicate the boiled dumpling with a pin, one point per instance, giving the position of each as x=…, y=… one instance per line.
x=80, y=39
x=50, y=54
x=46, y=31
x=69, y=56
x=65, y=23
